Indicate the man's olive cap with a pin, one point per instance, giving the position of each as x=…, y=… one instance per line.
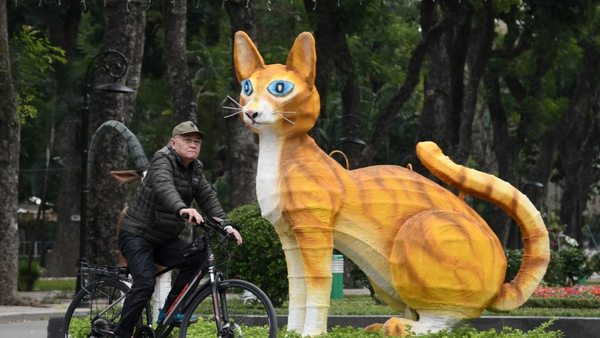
x=187, y=127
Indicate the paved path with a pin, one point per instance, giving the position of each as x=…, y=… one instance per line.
x=45, y=305
x=24, y=329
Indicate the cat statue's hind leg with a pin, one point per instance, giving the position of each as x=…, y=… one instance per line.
x=447, y=266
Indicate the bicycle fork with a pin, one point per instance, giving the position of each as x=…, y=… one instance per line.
x=218, y=299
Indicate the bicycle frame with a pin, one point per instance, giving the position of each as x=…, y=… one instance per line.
x=189, y=291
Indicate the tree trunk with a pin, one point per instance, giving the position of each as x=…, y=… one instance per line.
x=9, y=178
x=333, y=51
x=443, y=101
x=124, y=31
x=241, y=146
x=478, y=55
x=579, y=148
x=183, y=100
x=325, y=60
x=504, y=149
x=62, y=260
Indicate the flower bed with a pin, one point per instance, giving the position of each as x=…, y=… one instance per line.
x=572, y=292
x=578, y=296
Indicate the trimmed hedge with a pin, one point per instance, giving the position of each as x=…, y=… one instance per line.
x=571, y=303
x=260, y=259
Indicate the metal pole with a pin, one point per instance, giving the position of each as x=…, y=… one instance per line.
x=114, y=64
x=84, y=178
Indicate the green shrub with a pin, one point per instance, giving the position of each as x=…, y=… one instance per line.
x=566, y=266
x=207, y=329
x=506, y=332
x=575, y=264
x=594, y=263
x=513, y=262
x=570, y=303
x=260, y=259
x=555, y=274
x=28, y=277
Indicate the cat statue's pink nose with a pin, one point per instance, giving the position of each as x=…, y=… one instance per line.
x=251, y=114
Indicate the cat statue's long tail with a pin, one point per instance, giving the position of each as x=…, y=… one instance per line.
x=490, y=188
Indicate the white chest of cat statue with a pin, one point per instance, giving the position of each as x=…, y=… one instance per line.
x=426, y=252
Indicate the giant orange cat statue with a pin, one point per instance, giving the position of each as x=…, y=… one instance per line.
x=425, y=251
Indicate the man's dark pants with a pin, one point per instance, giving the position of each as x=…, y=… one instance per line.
x=141, y=256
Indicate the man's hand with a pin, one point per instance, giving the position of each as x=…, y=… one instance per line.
x=193, y=216
x=233, y=232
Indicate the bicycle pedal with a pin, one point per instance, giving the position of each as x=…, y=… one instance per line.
x=101, y=328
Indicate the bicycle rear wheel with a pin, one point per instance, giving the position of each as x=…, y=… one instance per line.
x=246, y=311
x=96, y=311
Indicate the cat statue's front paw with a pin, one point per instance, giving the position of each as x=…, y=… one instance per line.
x=396, y=327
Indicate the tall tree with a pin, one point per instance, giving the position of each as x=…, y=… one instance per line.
x=334, y=53
x=431, y=33
x=537, y=132
x=63, y=29
x=241, y=146
x=579, y=147
x=9, y=162
x=124, y=31
x=182, y=95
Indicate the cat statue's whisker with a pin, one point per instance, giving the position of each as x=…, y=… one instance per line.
x=231, y=108
x=232, y=114
x=283, y=117
x=286, y=112
x=282, y=105
x=234, y=101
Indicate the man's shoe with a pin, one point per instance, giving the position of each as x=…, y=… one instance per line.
x=178, y=317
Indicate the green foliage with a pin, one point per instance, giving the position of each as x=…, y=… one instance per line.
x=555, y=273
x=513, y=262
x=28, y=276
x=548, y=312
x=464, y=331
x=260, y=259
x=594, y=263
x=79, y=327
x=566, y=303
x=467, y=331
x=575, y=264
x=33, y=57
x=566, y=266
x=207, y=328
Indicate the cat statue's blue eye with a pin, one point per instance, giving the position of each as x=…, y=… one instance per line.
x=247, y=87
x=280, y=87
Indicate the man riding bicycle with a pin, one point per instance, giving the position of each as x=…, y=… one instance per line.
x=155, y=219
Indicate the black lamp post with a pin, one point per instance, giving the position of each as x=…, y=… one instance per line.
x=114, y=64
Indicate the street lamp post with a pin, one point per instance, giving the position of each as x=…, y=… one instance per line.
x=114, y=64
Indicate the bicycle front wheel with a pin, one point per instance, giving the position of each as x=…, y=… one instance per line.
x=245, y=311
x=93, y=313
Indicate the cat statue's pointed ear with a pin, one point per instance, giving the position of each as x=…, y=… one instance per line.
x=303, y=57
x=246, y=58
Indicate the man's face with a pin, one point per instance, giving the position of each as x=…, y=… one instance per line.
x=187, y=146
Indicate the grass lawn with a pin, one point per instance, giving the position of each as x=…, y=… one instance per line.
x=55, y=284
x=364, y=304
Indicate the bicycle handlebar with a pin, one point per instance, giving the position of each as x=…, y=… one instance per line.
x=213, y=223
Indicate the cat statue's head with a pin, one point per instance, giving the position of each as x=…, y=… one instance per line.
x=276, y=98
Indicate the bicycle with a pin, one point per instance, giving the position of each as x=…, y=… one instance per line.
x=234, y=305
